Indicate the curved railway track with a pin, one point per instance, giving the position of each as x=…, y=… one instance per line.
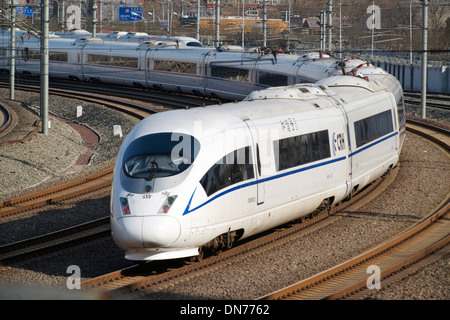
x=137, y=277
x=416, y=243
x=5, y=118
x=409, y=247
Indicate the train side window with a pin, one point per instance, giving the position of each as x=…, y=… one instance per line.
x=230, y=73
x=373, y=127
x=112, y=60
x=58, y=56
x=231, y=169
x=34, y=54
x=298, y=150
x=175, y=66
x=272, y=79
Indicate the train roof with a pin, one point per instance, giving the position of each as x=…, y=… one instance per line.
x=269, y=103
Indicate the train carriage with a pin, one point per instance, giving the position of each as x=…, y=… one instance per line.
x=176, y=70
x=242, y=168
x=170, y=66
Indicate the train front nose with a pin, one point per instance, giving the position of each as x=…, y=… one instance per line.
x=145, y=232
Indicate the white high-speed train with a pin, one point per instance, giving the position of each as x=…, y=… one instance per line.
x=168, y=66
x=189, y=181
x=122, y=36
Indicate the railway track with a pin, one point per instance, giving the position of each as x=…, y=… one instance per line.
x=5, y=118
x=57, y=194
x=409, y=247
x=343, y=280
x=133, y=278
x=434, y=100
x=139, y=276
x=80, y=187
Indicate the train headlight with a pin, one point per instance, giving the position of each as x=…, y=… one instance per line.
x=167, y=204
x=124, y=206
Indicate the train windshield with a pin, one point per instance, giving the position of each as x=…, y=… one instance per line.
x=160, y=155
x=194, y=44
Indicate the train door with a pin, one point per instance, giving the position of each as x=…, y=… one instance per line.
x=396, y=121
x=147, y=58
x=341, y=140
x=80, y=61
x=257, y=161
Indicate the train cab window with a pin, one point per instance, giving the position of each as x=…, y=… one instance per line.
x=233, y=168
x=194, y=44
x=160, y=155
x=272, y=79
x=298, y=150
x=230, y=73
x=373, y=127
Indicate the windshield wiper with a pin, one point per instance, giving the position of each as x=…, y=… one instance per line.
x=153, y=170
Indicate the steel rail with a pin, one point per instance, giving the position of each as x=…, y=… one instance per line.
x=390, y=257
x=51, y=241
x=57, y=194
x=7, y=118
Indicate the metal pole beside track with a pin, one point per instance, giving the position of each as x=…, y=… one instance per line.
x=197, y=32
x=44, y=65
x=94, y=20
x=329, y=24
x=12, y=64
x=264, y=23
x=217, y=33
x=423, y=98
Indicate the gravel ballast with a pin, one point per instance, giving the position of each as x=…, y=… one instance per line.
x=423, y=181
